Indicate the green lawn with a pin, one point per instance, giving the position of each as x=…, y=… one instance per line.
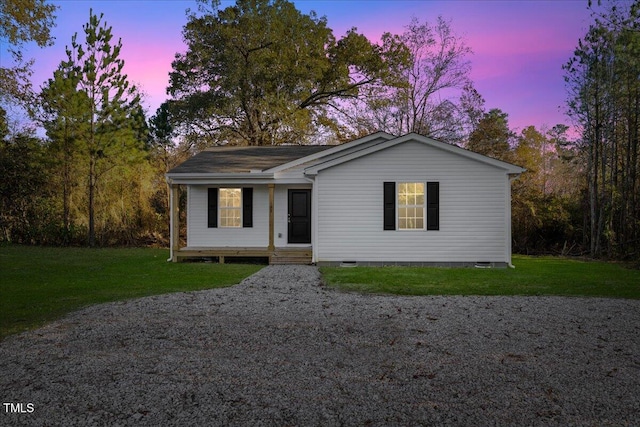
x=39, y=284
x=532, y=276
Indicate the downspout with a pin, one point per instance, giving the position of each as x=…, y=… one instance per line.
x=170, y=222
x=314, y=217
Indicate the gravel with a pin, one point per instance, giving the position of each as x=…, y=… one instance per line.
x=281, y=349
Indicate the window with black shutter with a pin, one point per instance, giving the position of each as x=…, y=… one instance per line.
x=230, y=207
x=409, y=204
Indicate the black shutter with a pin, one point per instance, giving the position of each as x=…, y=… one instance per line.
x=212, y=207
x=389, y=206
x=433, y=206
x=247, y=207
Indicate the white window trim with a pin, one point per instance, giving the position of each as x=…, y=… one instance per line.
x=221, y=208
x=424, y=206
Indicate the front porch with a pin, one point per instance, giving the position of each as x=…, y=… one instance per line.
x=301, y=252
x=301, y=255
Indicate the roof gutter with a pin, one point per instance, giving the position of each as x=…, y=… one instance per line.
x=205, y=178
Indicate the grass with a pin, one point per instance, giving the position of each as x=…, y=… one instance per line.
x=39, y=284
x=532, y=276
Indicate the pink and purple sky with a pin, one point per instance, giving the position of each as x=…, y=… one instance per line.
x=519, y=45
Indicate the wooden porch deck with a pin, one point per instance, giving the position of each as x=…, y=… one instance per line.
x=302, y=255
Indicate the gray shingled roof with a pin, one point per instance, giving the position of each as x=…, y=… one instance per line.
x=245, y=159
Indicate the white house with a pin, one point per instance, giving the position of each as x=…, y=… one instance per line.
x=378, y=200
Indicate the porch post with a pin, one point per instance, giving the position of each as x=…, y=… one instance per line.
x=271, y=247
x=174, y=222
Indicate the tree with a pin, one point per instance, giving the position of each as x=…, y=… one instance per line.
x=66, y=118
x=22, y=21
x=472, y=109
x=604, y=99
x=165, y=153
x=542, y=216
x=261, y=72
x=492, y=136
x=566, y=169
x=24, y=189
x=4, y=124
x=434, y=96
x=94, y=110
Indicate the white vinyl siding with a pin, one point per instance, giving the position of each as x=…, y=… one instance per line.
x=472, y=208
x=199, y=235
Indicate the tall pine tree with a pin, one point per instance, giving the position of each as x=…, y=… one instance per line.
x=94, y=111
x=65, y=118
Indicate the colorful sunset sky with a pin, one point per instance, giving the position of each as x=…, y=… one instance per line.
x=519, y=46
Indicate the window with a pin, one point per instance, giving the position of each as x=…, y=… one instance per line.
x=411, y=206
x=404, y=202
x=230, y=207
x=233, y=205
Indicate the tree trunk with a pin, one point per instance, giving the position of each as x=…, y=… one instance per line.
x=66, y=186
x=92, y=191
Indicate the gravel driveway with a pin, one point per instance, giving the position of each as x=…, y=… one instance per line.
x=280, y=349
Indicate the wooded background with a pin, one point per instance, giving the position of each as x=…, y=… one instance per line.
x=89, y=169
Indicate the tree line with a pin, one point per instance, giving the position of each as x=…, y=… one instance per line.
x=261, y=72
x=603, y=79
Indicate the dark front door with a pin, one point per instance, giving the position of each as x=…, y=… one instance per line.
x=299, y=216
